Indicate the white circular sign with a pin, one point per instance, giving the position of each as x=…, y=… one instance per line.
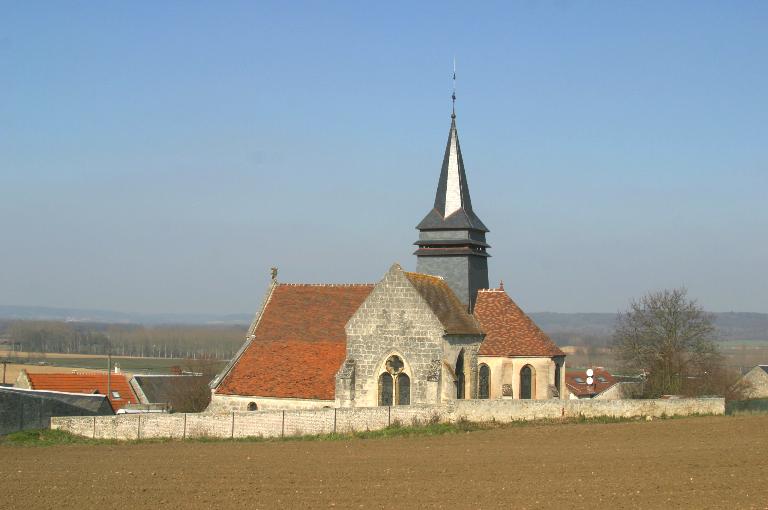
x=590, y=372
x=590, y=380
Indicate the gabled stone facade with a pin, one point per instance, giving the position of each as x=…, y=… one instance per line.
x=755, y=382
x=397, y=320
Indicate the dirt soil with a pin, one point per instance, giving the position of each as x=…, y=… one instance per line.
x=717, y=462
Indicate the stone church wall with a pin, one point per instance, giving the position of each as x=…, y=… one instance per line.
x=326, y=421
x=238, y=403
x=394, y=319
x=505, y=376
x=452, y=347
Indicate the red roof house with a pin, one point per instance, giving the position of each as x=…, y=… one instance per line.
x=120, y=392
x=576, y=381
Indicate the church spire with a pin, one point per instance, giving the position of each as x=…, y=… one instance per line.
x=451, y=237
x=453, y=205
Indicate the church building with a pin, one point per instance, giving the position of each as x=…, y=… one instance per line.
x=424, y=337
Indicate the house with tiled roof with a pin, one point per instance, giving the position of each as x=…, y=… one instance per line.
x=581, y=384
x=424, y=337
x=115, y=386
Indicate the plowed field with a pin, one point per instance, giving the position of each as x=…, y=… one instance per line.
x=719, y=462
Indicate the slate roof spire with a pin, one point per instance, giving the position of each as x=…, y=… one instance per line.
x=451, y=237
x=453, y=205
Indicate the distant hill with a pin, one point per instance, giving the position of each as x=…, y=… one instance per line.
x=565, y=328
x=590, y=328
x=113, y=317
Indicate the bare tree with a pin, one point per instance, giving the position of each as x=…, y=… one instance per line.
x=670, y=339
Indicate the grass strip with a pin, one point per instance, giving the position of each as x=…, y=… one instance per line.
x=46, y=437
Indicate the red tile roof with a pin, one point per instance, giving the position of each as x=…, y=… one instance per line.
x=509, y=331
x=88, y=382
x=576, y=381
x=446, y=306
x=299, y=343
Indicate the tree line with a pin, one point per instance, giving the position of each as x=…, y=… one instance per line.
x=193, y=342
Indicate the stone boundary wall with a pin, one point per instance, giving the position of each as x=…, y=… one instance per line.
x=340, y=420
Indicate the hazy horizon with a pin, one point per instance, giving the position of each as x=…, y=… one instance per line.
x=160, y=158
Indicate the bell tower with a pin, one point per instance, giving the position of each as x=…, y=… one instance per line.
x=451, y=237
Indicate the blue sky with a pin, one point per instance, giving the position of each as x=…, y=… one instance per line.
x=161, y=156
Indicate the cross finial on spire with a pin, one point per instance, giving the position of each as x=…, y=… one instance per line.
x=453, y=96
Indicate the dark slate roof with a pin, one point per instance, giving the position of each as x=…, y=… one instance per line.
x=445, y=305
x=160, y=389
x=464, y=217
x=765, y=368
x=92, y=403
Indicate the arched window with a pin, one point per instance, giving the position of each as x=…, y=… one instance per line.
x=394, y=383
x=484, y=386
x=557, y=377
x=460, y=375
x=385, y=389
x=252, y=406
x=526, y=382
x=403, y=390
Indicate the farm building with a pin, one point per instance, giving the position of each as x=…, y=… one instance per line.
x=115, y=388
x=165, y=392
x=429, y=336
x=577, y=382
x=23, y=409
x=756, y=382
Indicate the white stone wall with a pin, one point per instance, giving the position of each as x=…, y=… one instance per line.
x=360, y=419
x=326, y=421
x=238, y=403
x=621, y=390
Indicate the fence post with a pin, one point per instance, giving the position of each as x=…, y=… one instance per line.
x=389, y=416
x=282, y=431
x=334, y=420
x=232, y=434
x=184, y=433
x=94, y=426
x=138, y=428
